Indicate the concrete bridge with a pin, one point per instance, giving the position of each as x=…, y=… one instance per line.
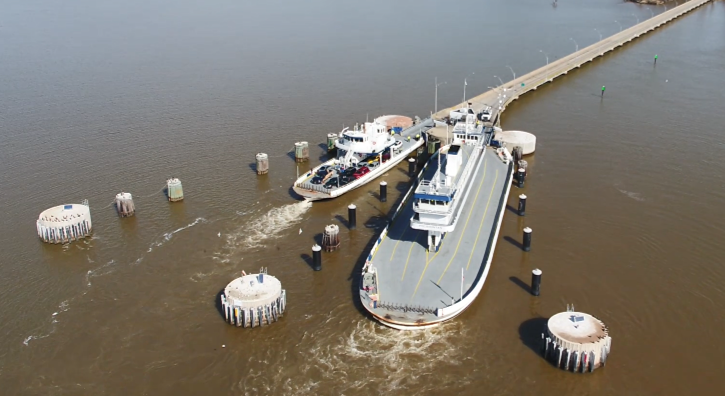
x=512, y=90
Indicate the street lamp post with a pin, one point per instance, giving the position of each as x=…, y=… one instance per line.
x=465, y=82
x=512, y=71
x=437, y=84
x=651, y=12
x=600, y=34
x=499, y=79
x=546, y=55
x=575, y=43
x=498, y=92
x=620, y=25
x=636, y=17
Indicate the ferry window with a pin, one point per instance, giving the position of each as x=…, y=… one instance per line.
x=425, y=201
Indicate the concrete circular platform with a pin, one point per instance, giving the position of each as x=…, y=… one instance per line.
x=64, y=223
x=251, y=291
x=526, y=140
x=576, y=341
x=253, y=300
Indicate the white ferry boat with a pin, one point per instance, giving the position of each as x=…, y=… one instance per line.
x=363, y=154
x=431, y=261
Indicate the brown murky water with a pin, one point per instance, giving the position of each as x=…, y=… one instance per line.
x=625, y=196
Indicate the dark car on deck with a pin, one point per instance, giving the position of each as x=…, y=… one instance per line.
x=332, y=183
x=323, y=170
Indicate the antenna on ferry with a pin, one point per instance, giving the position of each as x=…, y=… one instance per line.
x=438, y=179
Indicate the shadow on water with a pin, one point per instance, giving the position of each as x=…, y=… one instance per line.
x=326, y=154
x=253, y=166
x=512, y=209
x=318, y=238
x=293, y=194
x=530, y=333
x=377, y=222
x=218, y=304
x=308, y=260
x=518, y=282
x=342, y=220
x=513, y=242
x=402, y=187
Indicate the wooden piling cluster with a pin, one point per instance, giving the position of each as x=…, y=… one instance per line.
x=262, y=163
x=331, y=238
x=302, y=151
x=174, y=190
x=331, y=139
x=124, y=204
x=576, y=342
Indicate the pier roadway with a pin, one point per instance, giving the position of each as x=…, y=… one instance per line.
x=409, y=275
x=512, y=90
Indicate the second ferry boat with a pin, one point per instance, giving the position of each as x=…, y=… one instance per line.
x=363, y=153
x=431, y=261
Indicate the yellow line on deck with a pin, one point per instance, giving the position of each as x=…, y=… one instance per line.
x=396, y=244
x=410, y=250
x=473, y=205
x=419, y=280
x=482, y=219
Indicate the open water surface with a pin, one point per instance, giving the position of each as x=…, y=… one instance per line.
x=625, y=194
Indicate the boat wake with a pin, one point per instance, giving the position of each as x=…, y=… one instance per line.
x=370, y=357
x=268, y=226
x=62, y=307
x=102, y=270
x=167, y=236
x=636, y=196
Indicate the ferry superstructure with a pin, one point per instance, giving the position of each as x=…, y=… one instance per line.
x=431, y=261
x=363, y=154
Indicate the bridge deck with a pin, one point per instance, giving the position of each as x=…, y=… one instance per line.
x=546, y=74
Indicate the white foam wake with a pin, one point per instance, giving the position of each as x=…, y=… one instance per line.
x=102, y=270
x=268, y=226
x=392, y=362
x=167, y=236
